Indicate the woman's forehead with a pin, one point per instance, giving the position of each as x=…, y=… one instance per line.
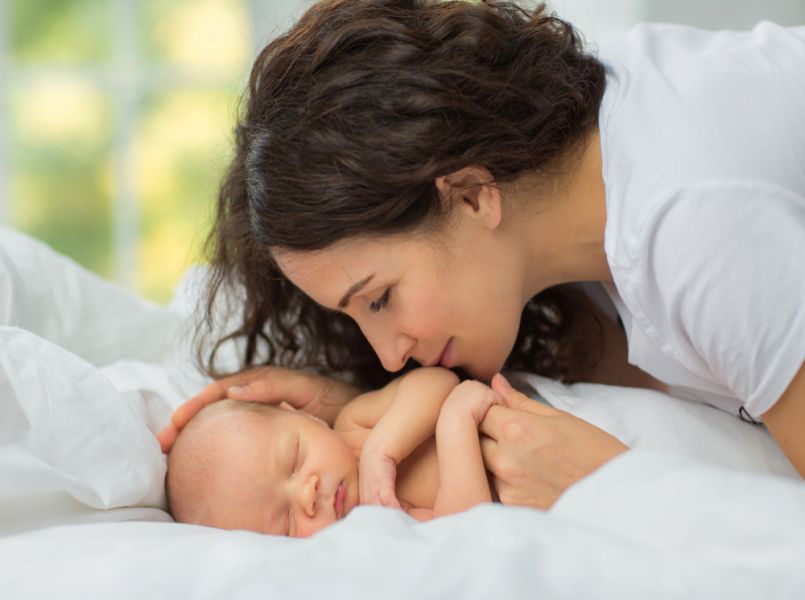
x=343, y=250
x=333, y=271
x=354, y=252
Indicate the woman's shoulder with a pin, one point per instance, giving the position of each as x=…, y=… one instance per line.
x=698, y=222
x=713, y=250
x=687, y=109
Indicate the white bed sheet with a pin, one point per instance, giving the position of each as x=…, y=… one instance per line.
x=82, y=505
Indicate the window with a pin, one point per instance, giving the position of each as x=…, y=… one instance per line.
x=115, y=127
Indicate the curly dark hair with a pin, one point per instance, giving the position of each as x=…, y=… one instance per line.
x=348, y=119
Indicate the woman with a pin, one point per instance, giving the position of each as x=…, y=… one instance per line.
x=422, y=175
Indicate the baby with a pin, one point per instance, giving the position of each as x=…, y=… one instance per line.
x=247, y=465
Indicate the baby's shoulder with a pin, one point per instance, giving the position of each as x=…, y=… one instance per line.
x=354, y=438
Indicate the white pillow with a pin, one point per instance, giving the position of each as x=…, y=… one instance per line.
x=54, y=297
x=652, y=420
x=71, y=443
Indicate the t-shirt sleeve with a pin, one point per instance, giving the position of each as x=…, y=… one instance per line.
x=725, y=270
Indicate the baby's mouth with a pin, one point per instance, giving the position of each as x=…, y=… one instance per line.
x=338, y=500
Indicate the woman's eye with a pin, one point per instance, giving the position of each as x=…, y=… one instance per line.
x=381, y=302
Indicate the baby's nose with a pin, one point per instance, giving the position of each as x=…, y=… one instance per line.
x=309, y=494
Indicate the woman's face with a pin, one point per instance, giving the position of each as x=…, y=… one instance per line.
x=451, y=298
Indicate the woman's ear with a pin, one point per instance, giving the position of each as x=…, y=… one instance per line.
x=472, y=189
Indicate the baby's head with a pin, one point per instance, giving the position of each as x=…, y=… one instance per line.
x=247, y=465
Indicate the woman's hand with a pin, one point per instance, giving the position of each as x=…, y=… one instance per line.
x=377, y=477
x=315, y=394
x=536, y=452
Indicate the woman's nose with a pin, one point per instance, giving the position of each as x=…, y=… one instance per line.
x=308, y=494
x=393, y=349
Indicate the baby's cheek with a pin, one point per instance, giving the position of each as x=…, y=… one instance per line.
x=311, y=526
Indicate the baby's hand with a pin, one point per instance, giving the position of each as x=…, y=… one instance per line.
x=377, y=476
x=471, y=398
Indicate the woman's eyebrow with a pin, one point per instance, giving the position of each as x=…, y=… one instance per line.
x=356, y=287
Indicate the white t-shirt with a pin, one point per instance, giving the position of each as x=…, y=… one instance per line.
x=703, y=145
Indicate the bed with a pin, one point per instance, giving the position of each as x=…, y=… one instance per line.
x=704, y=507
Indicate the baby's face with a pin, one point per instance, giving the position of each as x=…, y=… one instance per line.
x=289, y=474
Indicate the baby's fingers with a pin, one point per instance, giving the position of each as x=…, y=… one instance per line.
x=517, y=400
x=379, y=496
x=498, y=400
x=389, y=498
x=167, y=437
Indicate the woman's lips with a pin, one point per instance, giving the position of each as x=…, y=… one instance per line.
x=338, y=500
x=446, y=359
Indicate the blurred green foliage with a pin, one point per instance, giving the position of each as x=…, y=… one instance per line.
x=66, y=123
x=59, y=30
x=61, y=143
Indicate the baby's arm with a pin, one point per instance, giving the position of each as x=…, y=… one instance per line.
x=462, y=477
x=402, y=416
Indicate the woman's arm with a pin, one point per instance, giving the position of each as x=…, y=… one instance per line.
x=786, y=421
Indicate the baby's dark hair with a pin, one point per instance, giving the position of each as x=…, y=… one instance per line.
x=347, y=121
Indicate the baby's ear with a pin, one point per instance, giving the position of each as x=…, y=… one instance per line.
x=285, y=406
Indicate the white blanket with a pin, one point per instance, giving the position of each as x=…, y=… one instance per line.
x=89, y=372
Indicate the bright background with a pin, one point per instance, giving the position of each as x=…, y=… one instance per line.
x=116, y=115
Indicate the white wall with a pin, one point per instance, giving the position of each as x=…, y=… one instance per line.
x=727, y=14
x=599, y=20
x=272, y=17
x=603, y=20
